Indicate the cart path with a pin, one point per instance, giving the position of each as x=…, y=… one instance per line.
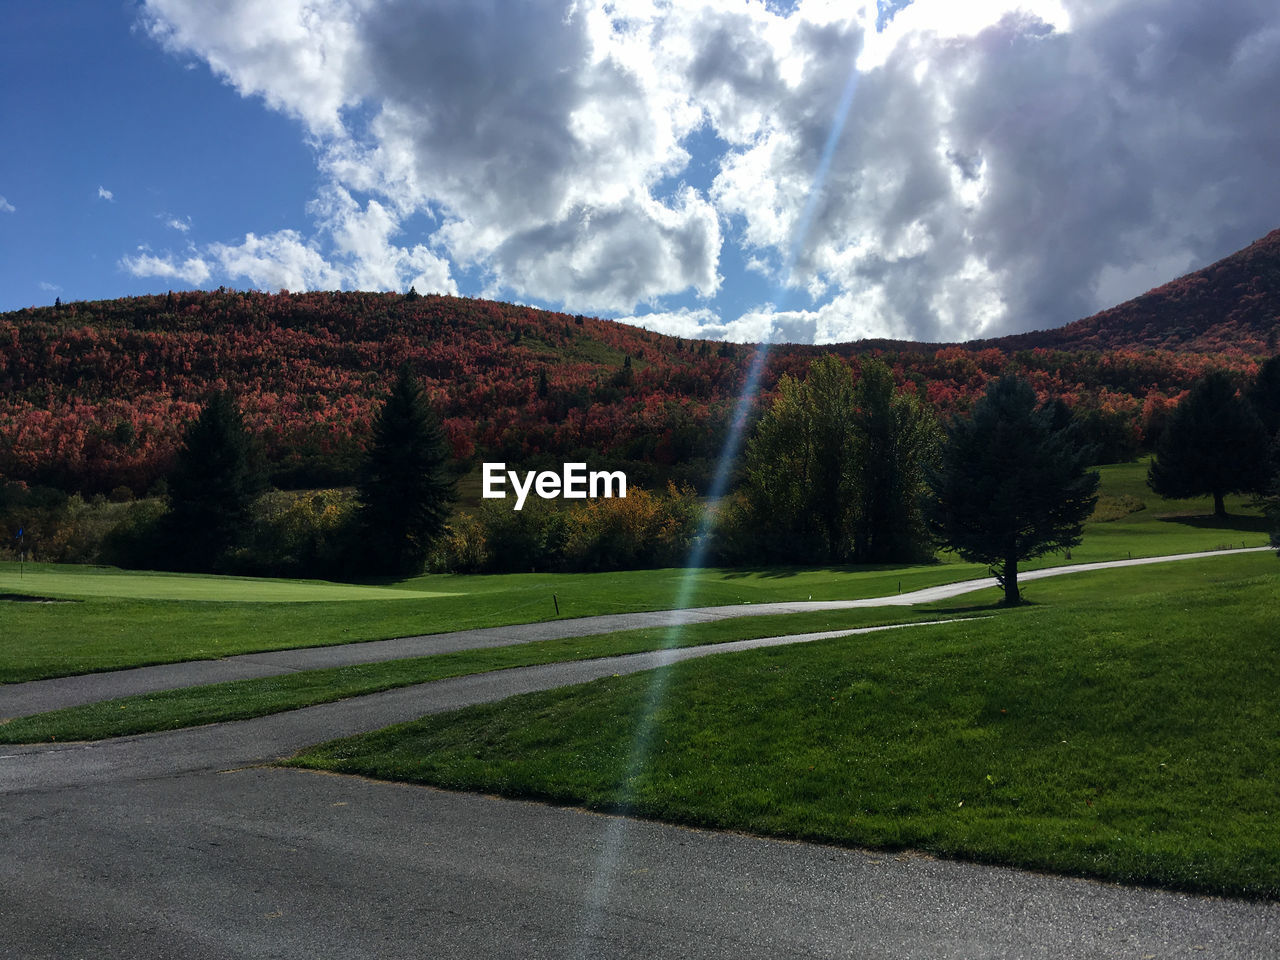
x=282, y=863
x=237, y=743
x=37, y=696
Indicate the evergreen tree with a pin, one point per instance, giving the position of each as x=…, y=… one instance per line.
x=405, y=488
x=216, y=478
x=1264, y=396
x=1011, y=484
x=1213, y=444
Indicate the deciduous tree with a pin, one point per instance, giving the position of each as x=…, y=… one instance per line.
x=895, y=437
x=799, y=468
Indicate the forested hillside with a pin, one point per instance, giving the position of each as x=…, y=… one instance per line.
x=1233, y=304
x=94, y=395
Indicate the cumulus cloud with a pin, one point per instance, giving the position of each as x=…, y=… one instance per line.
x=193, y=270
x=6, y=206
x=105, y=194
x=359, y=255
x=181, y=224
x=956, y=170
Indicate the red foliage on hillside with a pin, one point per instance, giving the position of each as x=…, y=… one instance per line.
x=1231, y=305
x=96, y=395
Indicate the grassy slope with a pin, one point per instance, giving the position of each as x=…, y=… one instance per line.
x=241, y=699
x=45, y=640
x=1124, y=728
x=138, y=626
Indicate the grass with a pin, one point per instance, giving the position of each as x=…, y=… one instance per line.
x=1124, y=727
x=105, y=633
x=67, y=581
x=129, y=619
x=242, y=699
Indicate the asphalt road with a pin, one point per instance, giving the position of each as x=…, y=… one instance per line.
x=21, y=699
x=182, y=845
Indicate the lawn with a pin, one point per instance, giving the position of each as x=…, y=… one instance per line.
x=1123, y=727
x=242, y=699
x=67, y=581
x=125, y=619
x=40, y=640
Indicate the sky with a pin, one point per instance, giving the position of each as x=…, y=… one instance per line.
x=808, y=171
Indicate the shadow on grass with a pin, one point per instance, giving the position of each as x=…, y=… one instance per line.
x=1244, y=524
x=988, y=608
x=28, y=598
x=785, y=572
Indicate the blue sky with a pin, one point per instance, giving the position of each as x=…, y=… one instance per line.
x=91, y=102
x=999, y=165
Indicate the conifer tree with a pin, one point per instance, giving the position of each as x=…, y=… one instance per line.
x=405, y=488
x=1213, y=444
x=216, y=478
x=1264, y=396
x=1011, y=483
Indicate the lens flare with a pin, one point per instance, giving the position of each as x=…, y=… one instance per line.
x=615, y=833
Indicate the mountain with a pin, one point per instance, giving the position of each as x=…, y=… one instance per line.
x=95, y=395
x=1233, y=304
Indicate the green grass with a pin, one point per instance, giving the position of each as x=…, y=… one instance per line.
x=78, y=582
x=242, y=699
x=101, y=633
x=134, y=625
x=1124, y=727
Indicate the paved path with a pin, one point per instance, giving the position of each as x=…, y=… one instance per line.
x=297, y=866
x=36, y=696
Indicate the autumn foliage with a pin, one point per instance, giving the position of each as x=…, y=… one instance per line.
x=96, y=395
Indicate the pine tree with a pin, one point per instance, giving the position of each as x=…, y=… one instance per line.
x=1264, y=395
x=1011, y=484
x=1213, y=444
x=216, y=478
x=405, y=488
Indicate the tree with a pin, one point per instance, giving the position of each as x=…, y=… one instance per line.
x=1264, y=395
x=1011, y=484
x=405, y=488
x=895, y=436
x=215, y=480
x=834, y=470
x=799, y=468
x=1213, y=444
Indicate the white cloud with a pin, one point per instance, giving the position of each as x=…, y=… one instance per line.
x=989, y=166
x=105, y=194
x=6, y=206
x=48, y=287
x=193, y=270
x=361, y=256
x=700, y=324
x=181, y=224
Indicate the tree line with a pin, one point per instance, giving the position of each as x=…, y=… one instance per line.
x=837, y=470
